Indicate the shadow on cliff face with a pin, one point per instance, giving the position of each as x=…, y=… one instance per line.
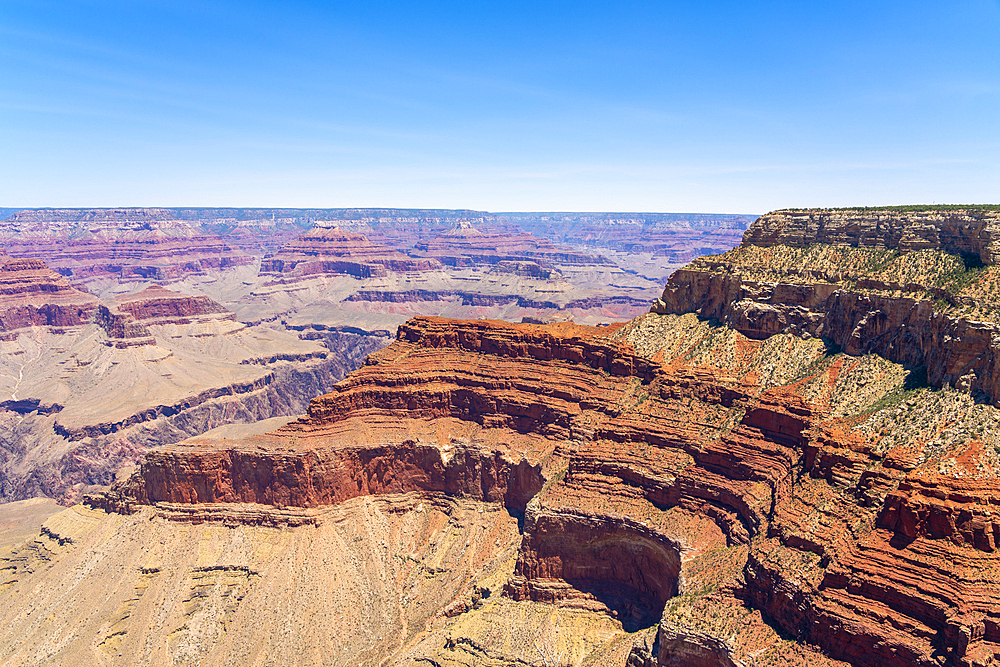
x=972, y=260
x=633, y=575
x=634, y=610
x=625, y=566
x=916, y=378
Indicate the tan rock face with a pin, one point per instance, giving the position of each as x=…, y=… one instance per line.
x=351, y=585
x=971, y=231
x=954, y=350
x=909, y=301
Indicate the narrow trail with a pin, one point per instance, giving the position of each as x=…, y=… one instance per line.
x=20, y=373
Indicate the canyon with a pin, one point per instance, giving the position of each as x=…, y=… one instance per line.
x=650, y=244
x=94, y=382
x=458, y=263
x=792, y=459
x=124, y=329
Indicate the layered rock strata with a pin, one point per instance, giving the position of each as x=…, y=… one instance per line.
x=955, y=351
x=894, y=284
x=145, y=255
x=774, y=491
x=128, y=398
x=129, y=317
x=89, y=384
x=34, y=295
x=972, y=231
x=483, y=265
x=693, y=473
x=324, y=250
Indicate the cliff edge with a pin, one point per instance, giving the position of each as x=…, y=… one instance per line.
x=917, y=287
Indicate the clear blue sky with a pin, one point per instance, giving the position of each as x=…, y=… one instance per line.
x=651, y=106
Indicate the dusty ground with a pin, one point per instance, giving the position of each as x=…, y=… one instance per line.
x=365, y=585
x=20, y=521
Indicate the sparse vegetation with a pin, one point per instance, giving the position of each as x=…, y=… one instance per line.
x=908, y=208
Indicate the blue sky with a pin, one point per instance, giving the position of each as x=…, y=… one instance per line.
x=653, y=106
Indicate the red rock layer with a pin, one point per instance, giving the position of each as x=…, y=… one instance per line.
x=127, y=320
x=148, y=255
x=327, y=475
x=157, y=303
x=334, y=251
x=34, y=295
x=854, y=551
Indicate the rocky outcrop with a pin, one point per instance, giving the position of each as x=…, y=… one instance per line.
x=463, y=297
x=970, y=231
x=916, y=536
x=587, y=560
x=523, y=269
x=157, y=305
x=929, y=321
x=960, y=511
x=324, y=250
x=955, y=351
x=330, y=476
x=127, y=320
x=34, y=295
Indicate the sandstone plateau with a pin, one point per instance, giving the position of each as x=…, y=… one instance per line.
x=35, y=295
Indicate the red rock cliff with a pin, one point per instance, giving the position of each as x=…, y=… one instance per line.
x=34, y=295
x=635, y=473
